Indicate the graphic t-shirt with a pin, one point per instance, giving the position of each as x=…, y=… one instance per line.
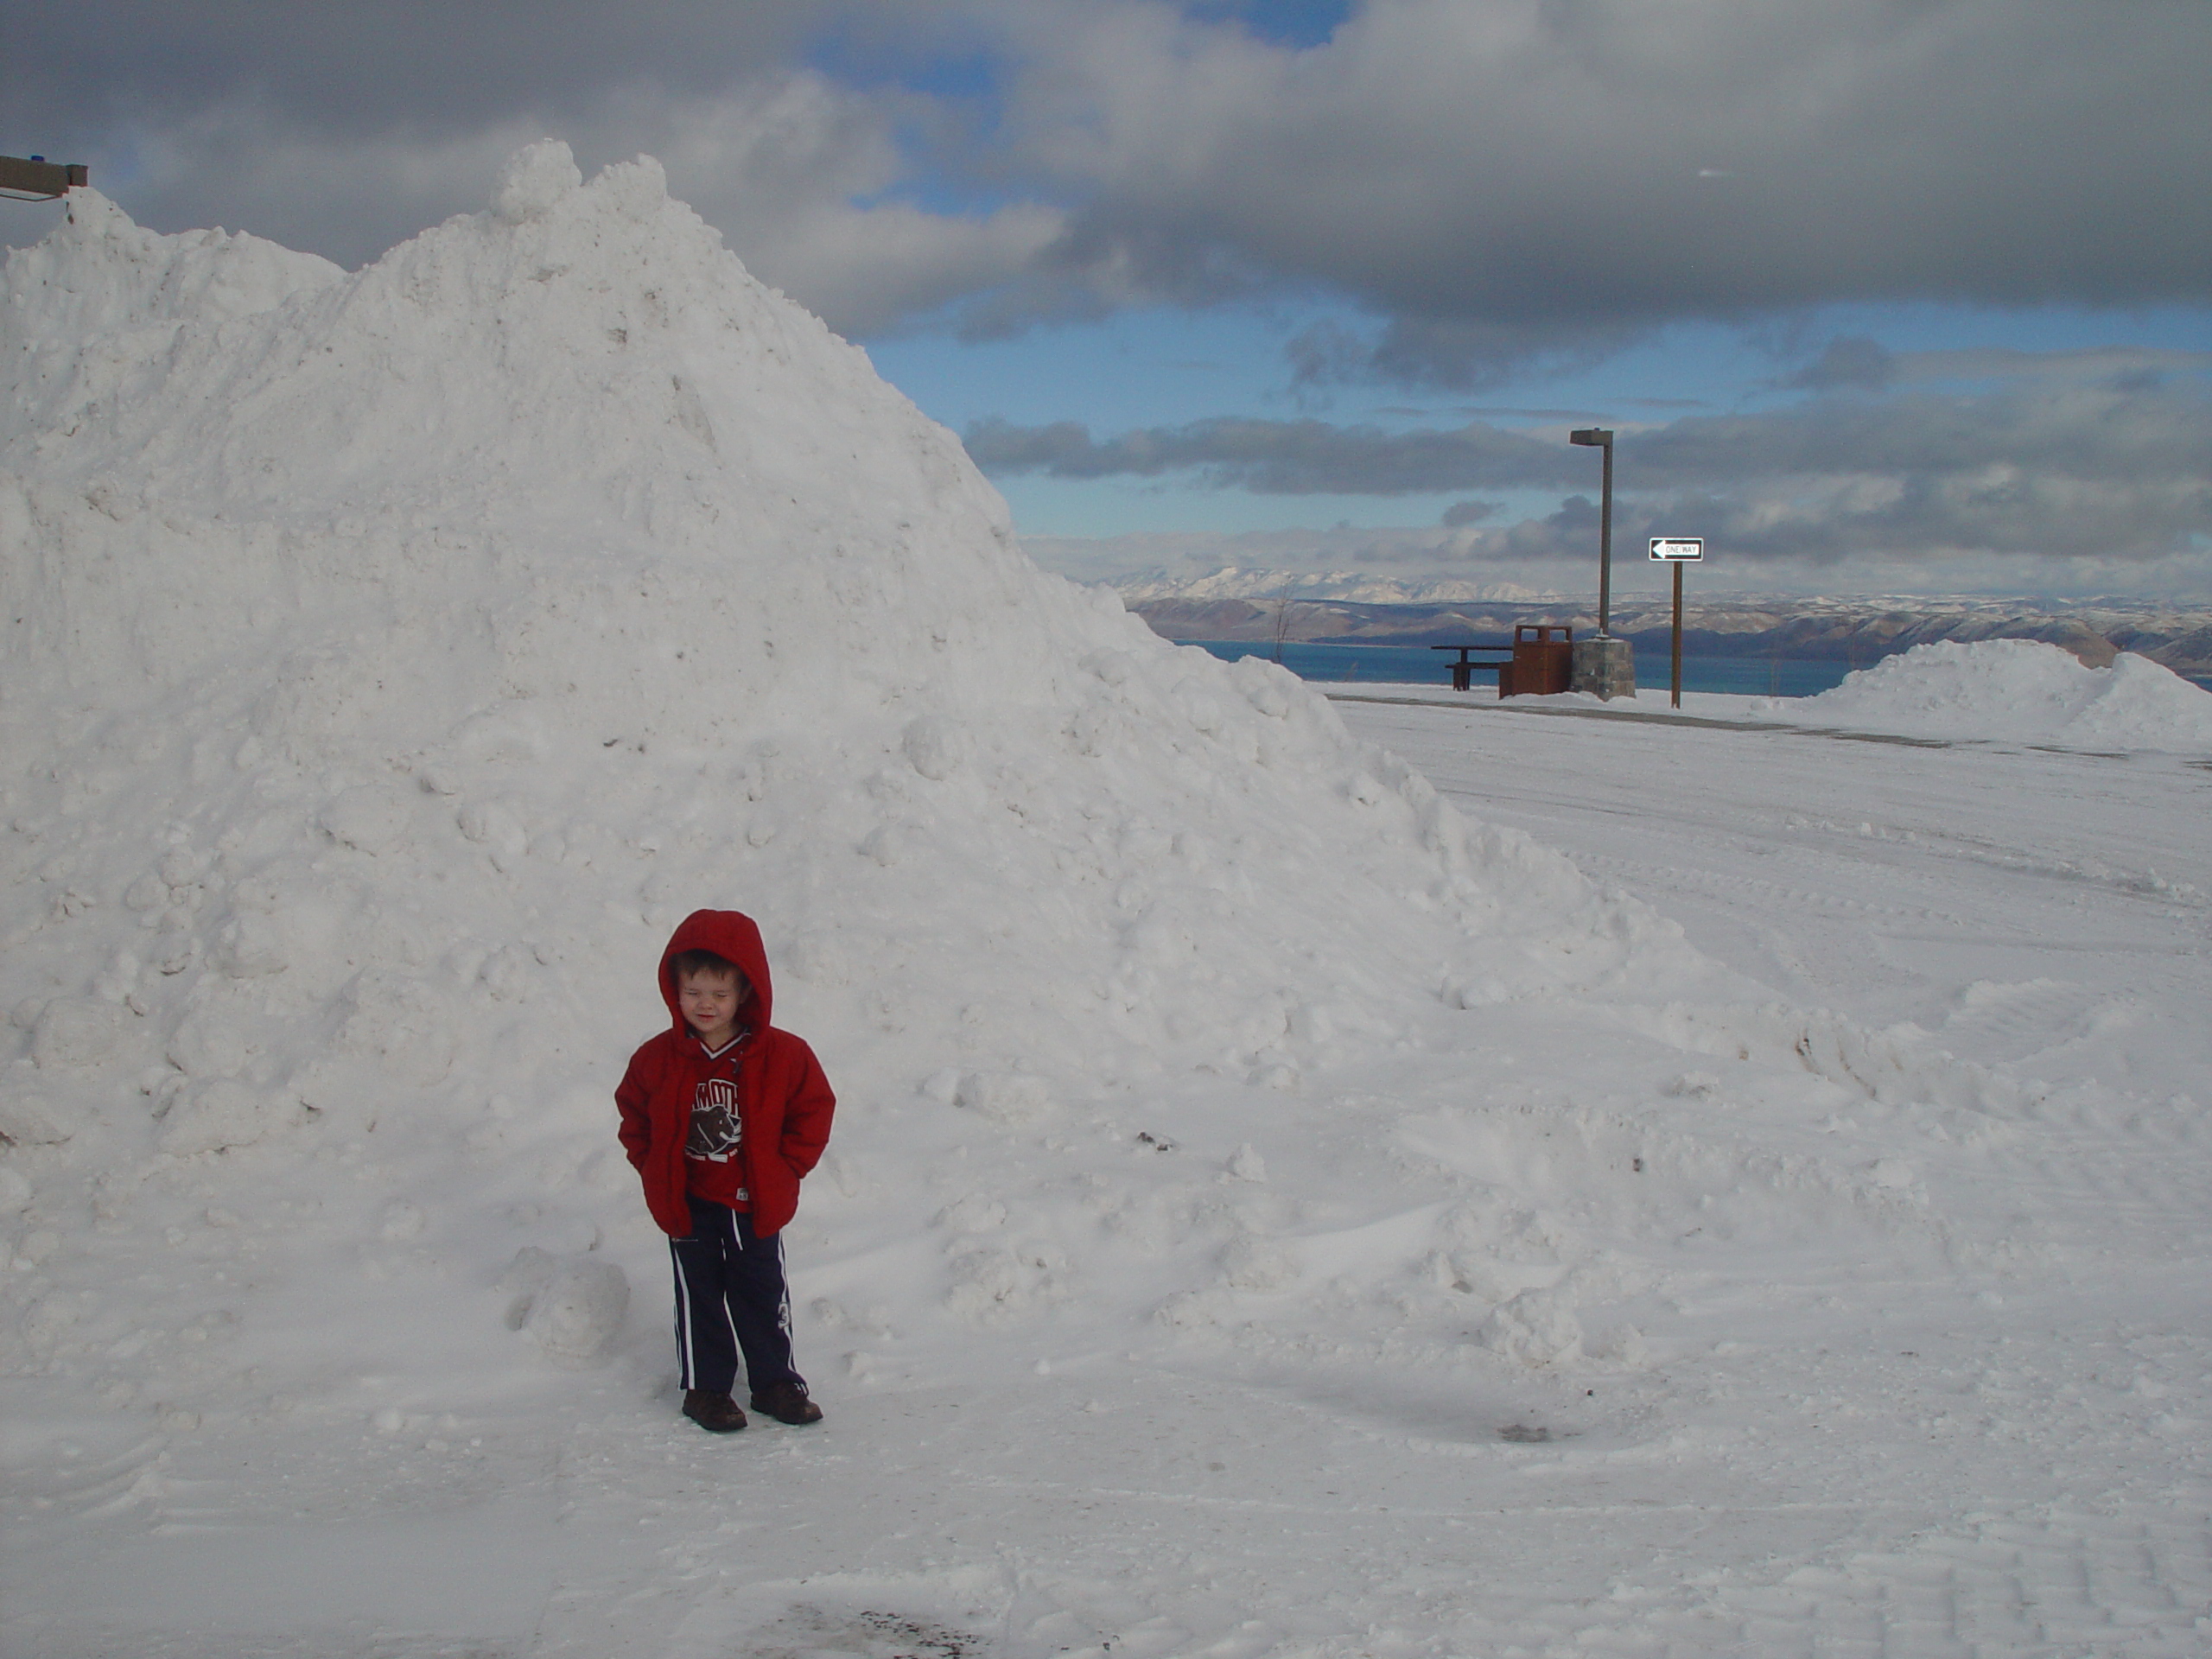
x=713, y=1166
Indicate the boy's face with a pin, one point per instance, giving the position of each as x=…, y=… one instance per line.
x=710, y=1002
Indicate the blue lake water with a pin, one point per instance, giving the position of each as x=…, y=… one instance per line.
x=1758, y=676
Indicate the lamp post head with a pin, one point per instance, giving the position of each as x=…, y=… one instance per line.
x=1591, y=437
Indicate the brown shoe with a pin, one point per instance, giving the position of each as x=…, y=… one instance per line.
x=716, y=1413
x=787, y=1403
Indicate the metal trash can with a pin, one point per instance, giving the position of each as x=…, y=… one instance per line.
x=1543, y=661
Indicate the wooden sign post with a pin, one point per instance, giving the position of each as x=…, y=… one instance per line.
x=1678, y=552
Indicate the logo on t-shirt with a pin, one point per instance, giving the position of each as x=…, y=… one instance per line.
x=716, y=1131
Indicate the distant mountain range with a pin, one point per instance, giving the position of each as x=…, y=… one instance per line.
x=1346, y=609
x=1234, y=582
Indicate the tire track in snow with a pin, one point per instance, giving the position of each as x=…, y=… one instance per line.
x=2069, y=1583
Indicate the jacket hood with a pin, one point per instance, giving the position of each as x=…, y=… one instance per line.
x=728, y=934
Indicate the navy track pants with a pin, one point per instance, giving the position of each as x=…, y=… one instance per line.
x=731, y=1299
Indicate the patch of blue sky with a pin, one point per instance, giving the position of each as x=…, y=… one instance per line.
x=1167, y=368
x=1300, y=23
x=1682, y=370
x=1164, y=367
x=1691, y=369
x=873, y=61
x=942, y=195
x=1973, y=350
x=1700, y=368
x=1153, y=367
x=1186, y=502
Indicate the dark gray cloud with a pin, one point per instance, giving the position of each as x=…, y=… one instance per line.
x=2086, y=434
x=1470, y=512
x=1856, y=362
x=1308, y=457
x=2106, y=471
x=1853, y=363
x=2134, y=366
x=1495, y=185
x=347, y=129
x=1507, y=184
x=1454, y=353
x=368, y=69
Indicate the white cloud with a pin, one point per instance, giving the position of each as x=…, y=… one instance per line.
x=2038, y=474
x=1498, y=182
x=1564, y=559
x=1518, y=178
x=793, y=168
x=795, y=173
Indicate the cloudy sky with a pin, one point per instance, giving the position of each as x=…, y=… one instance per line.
x=1878, y=293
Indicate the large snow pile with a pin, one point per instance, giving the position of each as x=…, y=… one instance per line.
x=2016, y=690
x=395, y=656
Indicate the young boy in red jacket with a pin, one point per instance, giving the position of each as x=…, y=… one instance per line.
x=722, y=1115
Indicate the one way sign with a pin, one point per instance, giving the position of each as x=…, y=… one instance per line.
x=1677, y=550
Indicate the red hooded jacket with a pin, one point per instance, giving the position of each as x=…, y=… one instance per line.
x=784, y=1102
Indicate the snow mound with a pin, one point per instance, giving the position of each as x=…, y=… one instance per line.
x=397, y=655
x=2018, y=691
x=571, y=1306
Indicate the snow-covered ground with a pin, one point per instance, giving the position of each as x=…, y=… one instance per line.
x=1278, y=1206
x=1923, y=1352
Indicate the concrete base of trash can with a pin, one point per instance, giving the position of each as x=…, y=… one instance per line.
x=1605, y=667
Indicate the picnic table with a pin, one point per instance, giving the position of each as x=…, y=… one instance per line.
x=1534, y=664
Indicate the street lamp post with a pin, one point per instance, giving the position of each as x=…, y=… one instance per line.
x=1601, y=438
x=1604, y=667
